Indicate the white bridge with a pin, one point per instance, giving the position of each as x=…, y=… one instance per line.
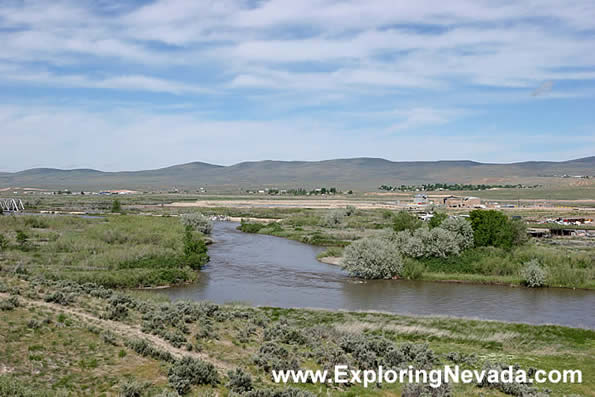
x=11, y=205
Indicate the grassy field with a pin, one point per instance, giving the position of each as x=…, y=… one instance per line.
x=116, y=250
x=103, y=342
x=65, y=331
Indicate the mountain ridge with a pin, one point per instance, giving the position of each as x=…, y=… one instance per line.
x=348, y=173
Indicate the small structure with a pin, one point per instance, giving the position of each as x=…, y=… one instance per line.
x=11, y=205
x=538, y=232
x=462, y=202
x=453, y=202
x=420, y=199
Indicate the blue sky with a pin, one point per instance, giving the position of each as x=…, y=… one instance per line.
x=133, y=85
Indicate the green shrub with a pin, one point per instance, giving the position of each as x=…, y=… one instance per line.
x=514, y=388
x=289, y=392
x=403, y=220
x=239, y=381
x=3, y=242
x=372, y=258
x=412, y=269
x=197, y=221
x=143, y=348
x=22, y=239
x=189, y=371
x=36, y=222
x=248, y=227
x=118, y=312
x=533, y=274
x=132, y=389
x=350, y=210
x=60, y=298
x=116, y=206
x=195, y=250
x=12, y=387
x=333, y=218
x=423, y=390
x=437, y=219
x=9, y=303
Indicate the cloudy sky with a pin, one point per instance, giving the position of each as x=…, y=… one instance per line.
x=132, y=85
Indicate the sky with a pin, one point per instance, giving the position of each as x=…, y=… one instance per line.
x=132, y=85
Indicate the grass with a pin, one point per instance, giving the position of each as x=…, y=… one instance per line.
x=115, y=251
x=71, y=354
x=66, y=357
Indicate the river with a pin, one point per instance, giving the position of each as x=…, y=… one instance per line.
x=271, y=271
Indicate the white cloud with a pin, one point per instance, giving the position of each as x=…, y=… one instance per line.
x=134, y=139
x=269, y=60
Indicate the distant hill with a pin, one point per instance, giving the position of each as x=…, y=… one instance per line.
x=355, y=173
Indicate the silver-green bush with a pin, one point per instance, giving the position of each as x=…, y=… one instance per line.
x=423, y=242
x=198, y=222
x=463, y=230
x=533, y=274
x=372, y=258
x=333, y=218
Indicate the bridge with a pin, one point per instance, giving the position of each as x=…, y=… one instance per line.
x=11, y=205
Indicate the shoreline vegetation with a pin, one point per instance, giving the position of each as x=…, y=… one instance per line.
x=502, y=254
x=73, y=324
x=62, y=337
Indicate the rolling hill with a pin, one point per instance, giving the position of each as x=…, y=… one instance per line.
x=355, y=173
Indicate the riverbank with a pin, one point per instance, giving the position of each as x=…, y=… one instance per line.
x=567, y=265
x=122, y=251
x=107, y=341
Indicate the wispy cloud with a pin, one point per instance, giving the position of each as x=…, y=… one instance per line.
x=441, y=65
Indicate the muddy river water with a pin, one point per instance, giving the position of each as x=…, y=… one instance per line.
x=271, y=271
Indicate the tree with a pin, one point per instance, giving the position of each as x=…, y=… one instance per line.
x=403, y=220
x=437, y=219
x=372, y=258
x=519, y=231
x=493, y=228
x=116, y=206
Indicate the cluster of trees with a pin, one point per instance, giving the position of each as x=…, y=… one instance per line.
x=302, y=192
x=448, y=186
x=382, y=257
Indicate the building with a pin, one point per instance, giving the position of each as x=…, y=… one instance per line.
x=462, y=202
x=472, y=202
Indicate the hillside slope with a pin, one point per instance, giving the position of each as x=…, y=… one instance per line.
x=355, y=173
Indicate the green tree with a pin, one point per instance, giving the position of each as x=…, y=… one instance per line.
x=195, y=250
x=493, y=228
x=403, y=220
x=116, y=206
x=437, y=219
